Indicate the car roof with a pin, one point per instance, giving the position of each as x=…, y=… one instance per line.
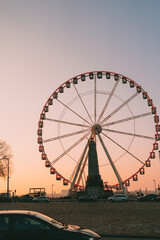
x=120, y=195
x=18, y=212
x=150, y=194
x=32, y=213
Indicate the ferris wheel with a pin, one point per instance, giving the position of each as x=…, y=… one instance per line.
x=105, y=106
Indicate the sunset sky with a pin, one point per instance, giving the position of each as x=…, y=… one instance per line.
x=45, y=43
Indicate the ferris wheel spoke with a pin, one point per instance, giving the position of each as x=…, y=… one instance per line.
x=83, y=103
x=108, y=101
x=127, y=119
x=70, y=148
x=129, y=134
x=73, y=111
x=65, y=122
x=95, y=100
x=123, y=148
x=119, y=108
x=65, y=135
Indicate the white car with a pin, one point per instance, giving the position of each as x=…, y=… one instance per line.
x=118, y=198
x=41, y=199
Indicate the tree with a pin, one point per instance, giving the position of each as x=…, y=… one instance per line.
x=5, y=156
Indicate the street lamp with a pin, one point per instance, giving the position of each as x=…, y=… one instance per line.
x=155, y=186
x=8, y=179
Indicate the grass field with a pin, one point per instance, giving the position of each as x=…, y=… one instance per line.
x=105, y=218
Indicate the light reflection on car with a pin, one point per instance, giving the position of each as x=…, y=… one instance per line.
x=118, y=198
x=41, y=199
x=28, y=225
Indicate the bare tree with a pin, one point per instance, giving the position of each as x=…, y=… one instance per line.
x=5, y=156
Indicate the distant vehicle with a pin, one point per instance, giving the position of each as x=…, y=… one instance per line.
x=41, y=199
x=5, y=199
x=28, y=225
x=118, y=198
x=158, y=198
x=88, y=198
x=26, y=198
x=148, y=197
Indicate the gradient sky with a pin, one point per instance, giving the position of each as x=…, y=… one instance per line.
x=44, y=43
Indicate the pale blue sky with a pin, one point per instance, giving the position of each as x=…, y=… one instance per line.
x=44, y=43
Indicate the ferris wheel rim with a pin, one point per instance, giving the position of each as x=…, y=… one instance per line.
x=129, y=80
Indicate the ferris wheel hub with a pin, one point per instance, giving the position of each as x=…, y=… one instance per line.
x=97, y=128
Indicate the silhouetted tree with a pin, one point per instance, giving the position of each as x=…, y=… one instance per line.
x=5, y=154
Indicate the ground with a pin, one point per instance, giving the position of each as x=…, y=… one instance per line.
x=132, y=220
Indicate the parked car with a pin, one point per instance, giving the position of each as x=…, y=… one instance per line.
x=28, y=225
x=5, y=199
x=118, y=198
x=158, y=198
x=148, y=197
x=26, y=198
x=41, y=199
x=88, y=198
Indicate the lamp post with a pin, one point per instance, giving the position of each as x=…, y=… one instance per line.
x=155, y=186
x=52, y=190
x=8, y=179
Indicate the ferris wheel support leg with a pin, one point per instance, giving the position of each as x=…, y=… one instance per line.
x=112, y=164
x=82, y=169
x=78, y=168
x=125, y=190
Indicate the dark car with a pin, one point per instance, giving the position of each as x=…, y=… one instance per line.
x=158, y=198
x=26, y=198
x=148, y=197
x=88, y=198
x=5, y=199
x=28, y=225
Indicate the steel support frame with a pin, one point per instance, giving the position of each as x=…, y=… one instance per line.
x=112, y=163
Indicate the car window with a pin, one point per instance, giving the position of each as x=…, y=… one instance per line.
x=27, y=223
x=4, y=222
x=120, y=196
x=51, y=220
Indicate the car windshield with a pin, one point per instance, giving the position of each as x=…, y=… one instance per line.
x=120, y=196
x=50, y=220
